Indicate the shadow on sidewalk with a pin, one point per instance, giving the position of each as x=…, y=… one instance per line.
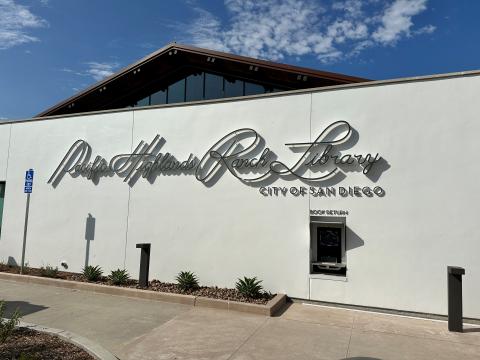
x=25, y=308
x=471, y=330
x=282, y=310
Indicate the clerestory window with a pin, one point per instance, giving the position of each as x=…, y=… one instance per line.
x=203, y=86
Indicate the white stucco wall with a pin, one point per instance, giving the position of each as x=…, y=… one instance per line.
x=398, y=246
x=56, y=229
x=427, y=132
x=219, y=231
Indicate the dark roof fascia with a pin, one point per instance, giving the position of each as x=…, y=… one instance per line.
x=343, y=79
x=108, y=80
x=272, y=65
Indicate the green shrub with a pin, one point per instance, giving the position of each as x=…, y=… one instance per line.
x=249, y=287
x=187, y=280
x=49, y=271
x=26, y=268
x=92, y=273
x=24, y=356
x=119, y=277
x=7, y=325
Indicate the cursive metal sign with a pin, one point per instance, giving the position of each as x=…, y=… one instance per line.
x=241, y=152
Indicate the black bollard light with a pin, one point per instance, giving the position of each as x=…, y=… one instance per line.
x=144, y=264
x=455, y=308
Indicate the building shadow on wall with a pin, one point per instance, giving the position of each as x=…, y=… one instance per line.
x=380, y=167
x=89, y=235
x=11, y=261
x=361, y=358
x=24, y=307
x=353, y=240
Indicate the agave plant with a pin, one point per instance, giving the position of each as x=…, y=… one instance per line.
x=7, y=325
x=92, y=273
x=119, y=277
x=249, y=287
x=187, y=280
x=49, y=271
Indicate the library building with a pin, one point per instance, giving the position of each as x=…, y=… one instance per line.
x=327, y=187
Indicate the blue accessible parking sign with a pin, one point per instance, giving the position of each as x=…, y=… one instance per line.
x=27, y=190
x=28, y=182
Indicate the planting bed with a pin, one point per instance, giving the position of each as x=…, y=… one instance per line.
x=29, y=344
x=154, y=285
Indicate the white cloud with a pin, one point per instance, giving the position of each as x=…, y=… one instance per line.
x=397, y=20
x=15, y=20
x=99, y=71
x=95, y=70
x=425, y=30
x=275, y=29
x=353, y=8
x=266, y=29
x=206, y=30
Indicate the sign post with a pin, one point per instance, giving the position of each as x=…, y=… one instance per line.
x=27, y=190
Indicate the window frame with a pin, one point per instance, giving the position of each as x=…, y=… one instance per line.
x=338, y=269
x=184, y=76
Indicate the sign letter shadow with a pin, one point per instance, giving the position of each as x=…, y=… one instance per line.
x=89, y=235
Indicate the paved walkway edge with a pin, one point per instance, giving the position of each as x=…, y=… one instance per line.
x=386, y=311
x=97, y=351
x=269, y=309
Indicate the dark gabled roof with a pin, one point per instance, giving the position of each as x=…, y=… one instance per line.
x=120, y=88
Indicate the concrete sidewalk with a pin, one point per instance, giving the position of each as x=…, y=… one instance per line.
x=141, y=329
x=109, y=320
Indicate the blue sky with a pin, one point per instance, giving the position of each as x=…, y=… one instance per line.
x=51, y=49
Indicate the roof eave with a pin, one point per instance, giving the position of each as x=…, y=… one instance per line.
x=344, y=79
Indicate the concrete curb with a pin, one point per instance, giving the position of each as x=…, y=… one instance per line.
x=95, y=350
x=269, y=309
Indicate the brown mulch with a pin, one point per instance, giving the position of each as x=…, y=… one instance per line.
x=210, y=292
x=34, y=345
x=154, y=285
